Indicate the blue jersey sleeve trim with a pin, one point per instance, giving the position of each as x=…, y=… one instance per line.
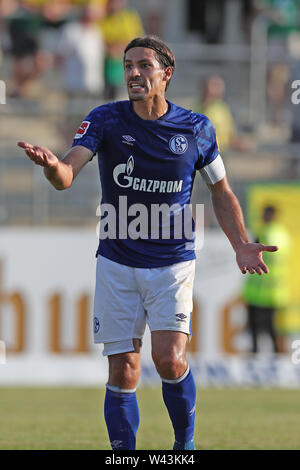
x=206, y=139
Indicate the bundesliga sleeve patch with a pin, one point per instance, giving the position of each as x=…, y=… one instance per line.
x=82, y=129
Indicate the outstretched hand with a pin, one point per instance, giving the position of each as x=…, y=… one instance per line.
x=39, y=155
x=249, y=257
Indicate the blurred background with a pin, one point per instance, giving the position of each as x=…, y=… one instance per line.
x=238, y=62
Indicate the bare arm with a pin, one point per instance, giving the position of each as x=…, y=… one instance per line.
x=229, y=213
x=60, y=173
x=231, y=220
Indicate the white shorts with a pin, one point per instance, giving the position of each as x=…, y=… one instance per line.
x=127, y=298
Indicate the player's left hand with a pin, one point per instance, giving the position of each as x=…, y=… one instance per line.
x=249, y=257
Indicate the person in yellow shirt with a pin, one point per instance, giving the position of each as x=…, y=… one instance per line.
x=218, y=111
x=118, y=27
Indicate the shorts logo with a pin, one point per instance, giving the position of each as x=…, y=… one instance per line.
x=180, y=317
x=82, y=129
x=178, y=144
x=96, y=325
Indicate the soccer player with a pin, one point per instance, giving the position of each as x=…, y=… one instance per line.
x=148, y=152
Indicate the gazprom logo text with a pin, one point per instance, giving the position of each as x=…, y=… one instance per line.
x=122, y=177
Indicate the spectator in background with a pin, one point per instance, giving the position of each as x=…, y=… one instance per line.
x=282, y=23
x=56, y=14
x=153, y=17
x=24, y=27
x=218, y=111
x=119, y=26
x=81, y=54
x=282, y=15
x=278, y=83
x=267, y=295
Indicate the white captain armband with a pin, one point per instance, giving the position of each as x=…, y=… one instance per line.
x=214, y=171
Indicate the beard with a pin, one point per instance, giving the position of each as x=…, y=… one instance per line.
x=136, y=98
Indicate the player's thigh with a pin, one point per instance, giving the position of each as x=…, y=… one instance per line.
x=119, y=314
x=168, y=297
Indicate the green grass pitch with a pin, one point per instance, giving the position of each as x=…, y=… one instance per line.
x=72, y=418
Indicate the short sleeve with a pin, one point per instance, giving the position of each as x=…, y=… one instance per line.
x=90, y=131
x=206, y=140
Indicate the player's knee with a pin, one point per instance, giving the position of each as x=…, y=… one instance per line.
x=170, y=366
x=124, y=372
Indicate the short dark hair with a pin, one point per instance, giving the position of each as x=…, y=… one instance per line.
x=163, y=53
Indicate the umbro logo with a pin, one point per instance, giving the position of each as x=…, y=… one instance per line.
x=116, y=444
x=180, y=317
x=128, y=139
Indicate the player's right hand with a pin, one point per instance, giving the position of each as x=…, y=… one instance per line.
x=39, y=155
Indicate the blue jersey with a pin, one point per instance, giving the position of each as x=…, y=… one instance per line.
x=148, y=163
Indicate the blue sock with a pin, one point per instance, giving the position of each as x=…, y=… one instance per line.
x=122, y=417
x=180, y=399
